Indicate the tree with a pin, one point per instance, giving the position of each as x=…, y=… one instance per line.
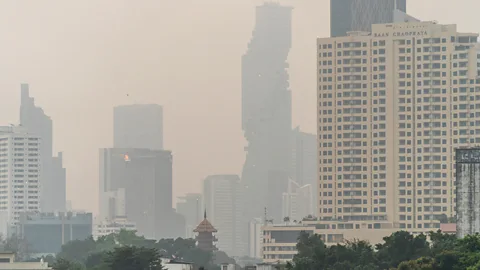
x=133, y=258
x=63, y=264
x=401, y=246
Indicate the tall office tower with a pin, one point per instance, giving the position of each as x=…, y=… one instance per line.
x=392, y=107
x=222, y=196
x=59, y=176
x=297, y=202
x=190, y=206
x=468, y=190
x=304, y=160
x=359, y=15
x=138, y=126
x=255, y=238
x=20, y=175
x=146, y=179
x=36, y=121
x=266, y=109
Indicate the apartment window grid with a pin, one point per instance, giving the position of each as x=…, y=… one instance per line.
x=437, y=106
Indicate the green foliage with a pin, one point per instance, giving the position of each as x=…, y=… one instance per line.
x=133, y=258
x=400, y=251
x=129, y=251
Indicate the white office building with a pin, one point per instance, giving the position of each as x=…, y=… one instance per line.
x=20, y=170
x=222, y=197
x=297, y=202
x=107, y=227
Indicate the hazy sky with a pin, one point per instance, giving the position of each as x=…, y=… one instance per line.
x=82, y=57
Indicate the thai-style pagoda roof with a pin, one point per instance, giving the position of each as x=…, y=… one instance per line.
x=205, y=226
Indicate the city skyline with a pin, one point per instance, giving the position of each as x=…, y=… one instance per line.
x=88, y=119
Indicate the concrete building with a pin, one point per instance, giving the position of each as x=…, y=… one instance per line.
x=280, y=240
x=223, y=201
x=266, y=110
x=107, y=227
x=255, y=238
x=127, y=173
x=392, y=107
x=45, y=233
x=176, y=265
x=304, y=161
x=190, y=206
x=297, y=202
x=7, y=262
x=359, y=15
x=59, y=173
x=468, y=190
x=138, y=126
x=35, y=120
x=20, y=175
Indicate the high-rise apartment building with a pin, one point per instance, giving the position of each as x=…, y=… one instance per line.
x=20, y=175
x=359, y=15
x=140, y=180
x=393, y=105
x=35, y=120
x=138, y=126
x=266, y=109
x=222, y=196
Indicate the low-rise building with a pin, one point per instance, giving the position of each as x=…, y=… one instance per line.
x=45, y=233
x=7, y=262
x=280, y=240
x=107, y=227
x=176, y=265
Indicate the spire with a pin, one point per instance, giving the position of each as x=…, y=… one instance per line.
x=205, y=214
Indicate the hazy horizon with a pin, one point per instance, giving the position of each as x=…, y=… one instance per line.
x=83, y=58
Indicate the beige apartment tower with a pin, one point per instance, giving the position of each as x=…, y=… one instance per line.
x=393, y=105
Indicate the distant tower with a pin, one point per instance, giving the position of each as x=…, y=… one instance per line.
x=205, y=238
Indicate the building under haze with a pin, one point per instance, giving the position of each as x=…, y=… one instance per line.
x=53, y=180
x=138, y=126
x=468, y=190
x=393, y=105
x=190, y=206
x=359, y=15
x=222, y=196
x=141, y=180
x=20, y=175
x=266, y=110
x=45, y=233
x=303, y=168
x=297, y=202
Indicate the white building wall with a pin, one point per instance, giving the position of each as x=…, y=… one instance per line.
x=20, y=170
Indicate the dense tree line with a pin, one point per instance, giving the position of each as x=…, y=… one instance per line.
x=127, y=251
x=399, y=251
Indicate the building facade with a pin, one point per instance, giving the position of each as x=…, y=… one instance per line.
x=45, y=233
x=297, y=202
x=138, y=126
x=393, y=105
x=468, y=190
x=255, y=238
x=266, y=110
x=107, y=227
x=35, y=120
x=141, y=180
x=223, y=201
x=20, y=175
x=190, y=207
x=359, y=15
